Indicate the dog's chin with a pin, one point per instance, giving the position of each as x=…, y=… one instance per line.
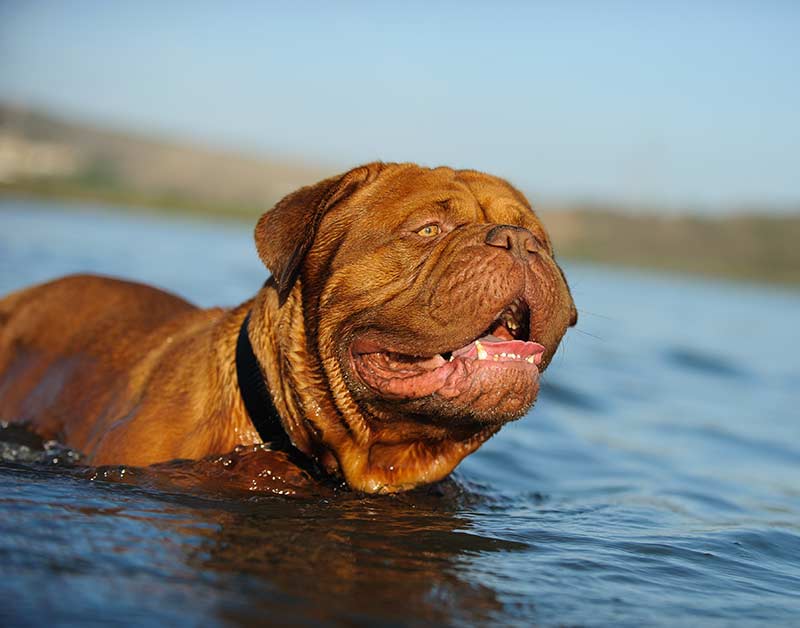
x=484, y=395
x=490, y=401
x=425, y=414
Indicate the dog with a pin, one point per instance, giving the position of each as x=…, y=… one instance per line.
x=408, y=316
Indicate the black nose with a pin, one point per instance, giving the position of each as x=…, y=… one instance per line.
x=518, y=240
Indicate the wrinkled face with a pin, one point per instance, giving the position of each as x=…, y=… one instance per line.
x=434, y=302
x=454, y=300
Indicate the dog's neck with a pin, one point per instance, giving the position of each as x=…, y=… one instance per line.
x=275, y=345
x=255, y=394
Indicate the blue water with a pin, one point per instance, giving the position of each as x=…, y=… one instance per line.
x=656, y=482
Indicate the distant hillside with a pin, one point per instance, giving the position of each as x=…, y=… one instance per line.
x=44, y=156
x=110, y=164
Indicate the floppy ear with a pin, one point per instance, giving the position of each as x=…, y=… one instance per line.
x=285, y=233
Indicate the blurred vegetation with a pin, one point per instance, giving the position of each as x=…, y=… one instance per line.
x=115, y=196
x=134, y=173
x=755, y=247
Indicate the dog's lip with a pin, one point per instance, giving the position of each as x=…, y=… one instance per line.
x=391, y=369
x=405, y=377
x=486, y=347
x=498, y=349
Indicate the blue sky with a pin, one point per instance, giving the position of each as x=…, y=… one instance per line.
x=677, y=104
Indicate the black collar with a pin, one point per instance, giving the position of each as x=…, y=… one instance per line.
x=256, y=397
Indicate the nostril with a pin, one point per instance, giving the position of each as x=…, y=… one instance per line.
x=501, y=237
x=518, y=240
x=533, y=244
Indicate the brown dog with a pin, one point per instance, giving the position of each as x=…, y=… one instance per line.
x=407, y=319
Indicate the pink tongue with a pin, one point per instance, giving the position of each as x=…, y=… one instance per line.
x=495, y=346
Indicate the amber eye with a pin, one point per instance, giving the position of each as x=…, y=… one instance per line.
x=429, y=231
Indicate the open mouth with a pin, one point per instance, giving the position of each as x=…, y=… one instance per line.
x=504, y=345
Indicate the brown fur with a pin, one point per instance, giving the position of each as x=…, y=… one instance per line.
x=132, y=375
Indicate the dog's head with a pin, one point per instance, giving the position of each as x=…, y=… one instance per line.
x=410, y=313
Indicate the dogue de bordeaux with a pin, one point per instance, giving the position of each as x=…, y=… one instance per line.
x=408, y=316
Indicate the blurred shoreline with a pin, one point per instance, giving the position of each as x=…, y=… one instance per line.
x=42, y=156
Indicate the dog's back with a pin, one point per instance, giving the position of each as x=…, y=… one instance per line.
x=69, y=346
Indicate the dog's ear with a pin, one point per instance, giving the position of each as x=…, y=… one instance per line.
x=285, y=233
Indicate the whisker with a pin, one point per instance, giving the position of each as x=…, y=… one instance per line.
x=608, y=318
x=586, y=333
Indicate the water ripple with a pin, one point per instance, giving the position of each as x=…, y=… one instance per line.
x=655, y=483
x=705, y=362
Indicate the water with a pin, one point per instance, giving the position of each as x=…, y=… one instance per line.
x=657, y=481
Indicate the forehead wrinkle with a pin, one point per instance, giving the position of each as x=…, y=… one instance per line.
x=457, y=198
x=491, y=193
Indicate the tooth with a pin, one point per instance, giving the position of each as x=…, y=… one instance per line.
x=451, y=359
x=502, y=355
x=482, y=355
x=495, y=357
x=529, y=359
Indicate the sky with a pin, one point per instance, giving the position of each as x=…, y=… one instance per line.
x=683, y=105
